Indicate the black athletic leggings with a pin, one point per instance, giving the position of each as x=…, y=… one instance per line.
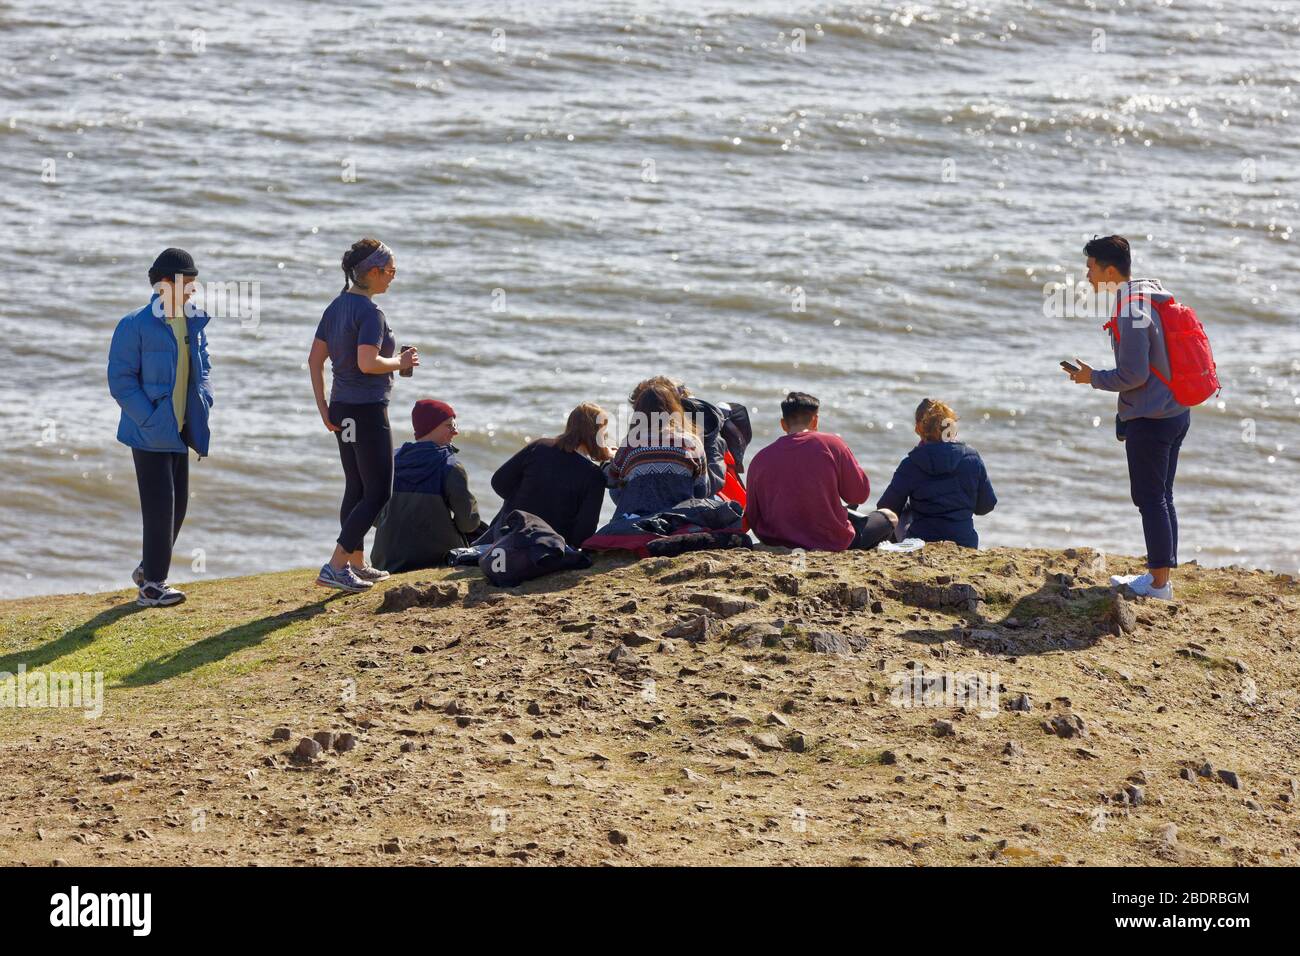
x=163, y=478
x=366, y=448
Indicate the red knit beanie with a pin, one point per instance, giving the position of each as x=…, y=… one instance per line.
x=428, y=414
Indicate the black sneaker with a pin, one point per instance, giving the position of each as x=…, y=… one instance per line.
x=153, y=594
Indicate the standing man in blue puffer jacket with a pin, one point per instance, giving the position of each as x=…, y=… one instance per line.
x=158, y=371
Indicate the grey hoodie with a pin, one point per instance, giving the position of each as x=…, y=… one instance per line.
x=1141, y=345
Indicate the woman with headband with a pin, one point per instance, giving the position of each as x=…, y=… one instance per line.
x=354, y=335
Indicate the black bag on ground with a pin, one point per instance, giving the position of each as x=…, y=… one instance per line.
x=526, y=548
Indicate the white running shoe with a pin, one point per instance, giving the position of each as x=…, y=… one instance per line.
x=369, y=573
x=1143, y=585
x=1119, y=580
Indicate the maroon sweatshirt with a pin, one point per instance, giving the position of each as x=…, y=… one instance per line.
x=797, y=488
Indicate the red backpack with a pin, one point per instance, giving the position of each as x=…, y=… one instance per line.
x=1192, y=374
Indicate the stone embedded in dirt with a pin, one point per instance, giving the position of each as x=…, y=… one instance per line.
x=828, y=642
x=1206, y=770
x=888, y=757
x=282, y=733
x=704, y=569
x=636, y=638
x=846, y=595
x=117, y=776
x=393, y=846
x=1118, y=615
x=307, y=749
x=407, y=746
x=777, y=720
x=796, y=743
x=1194, y=654
x=1132, y=794
x=1021, y=702
x=406, y=596
x=345, y=742
x=943, y=728
x=877, y=607
x=786, y=584
x=754, y=635
x=534, y=709
x=420, y=649
x=936, y=596
x=621, y=655
x=1168, y=834
x=1066, y=726
x=325, y=738
x=765, y=741
x=617, y=837
x=1230, y=778
x=724, y=605
x=695, y=629
x=691, y=776
x=1012, y=748
x=627, y=607
x=1187, y=774
x=738, y=749
x=507, y=737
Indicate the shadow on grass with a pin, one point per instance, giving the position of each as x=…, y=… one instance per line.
x=68, y=642
x=219, y=646
x=1070, y=624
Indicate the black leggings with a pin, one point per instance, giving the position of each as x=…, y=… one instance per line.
x=163, y=478
x=366, y=448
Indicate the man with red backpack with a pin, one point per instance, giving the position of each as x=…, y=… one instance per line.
x=1162, y=367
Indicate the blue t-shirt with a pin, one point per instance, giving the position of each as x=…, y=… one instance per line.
x=352, y=320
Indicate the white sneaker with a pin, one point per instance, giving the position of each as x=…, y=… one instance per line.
x=1142, y=585
x=1119, y=580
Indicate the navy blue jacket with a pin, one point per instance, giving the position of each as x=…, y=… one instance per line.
x=944, y=484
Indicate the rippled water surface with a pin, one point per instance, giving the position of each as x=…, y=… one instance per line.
x=865, y=201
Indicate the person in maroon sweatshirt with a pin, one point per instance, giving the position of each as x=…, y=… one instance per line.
x=800, y=484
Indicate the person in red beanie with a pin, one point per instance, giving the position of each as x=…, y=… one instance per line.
x=431, y=510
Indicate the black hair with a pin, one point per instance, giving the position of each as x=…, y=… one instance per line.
x=799, y=407
x=360, y=250
x=1110, y=251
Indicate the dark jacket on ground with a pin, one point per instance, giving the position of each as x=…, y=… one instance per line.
x=563, y=488
x=431, y=510
x=527, y=548
x=943, y=484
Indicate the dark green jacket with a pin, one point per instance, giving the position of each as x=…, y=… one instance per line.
x=431, y=510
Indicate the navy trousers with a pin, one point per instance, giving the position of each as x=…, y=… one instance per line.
x=1152, y=446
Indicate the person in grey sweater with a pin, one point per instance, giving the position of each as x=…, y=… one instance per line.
x=1150, y=421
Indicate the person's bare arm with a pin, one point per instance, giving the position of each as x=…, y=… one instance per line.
x=316, y=365
x=372, y=363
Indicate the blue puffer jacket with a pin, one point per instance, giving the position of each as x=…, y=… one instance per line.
x=141, y=376
x=944, y=484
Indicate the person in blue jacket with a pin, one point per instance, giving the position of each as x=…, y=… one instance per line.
x=941, y=484
x=158, y=372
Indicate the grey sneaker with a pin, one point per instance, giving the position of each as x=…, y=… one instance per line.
x=370, y=574
x=154, y=594
x=343, y=579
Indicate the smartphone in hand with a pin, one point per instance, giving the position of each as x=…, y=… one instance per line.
x=1069, y=368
